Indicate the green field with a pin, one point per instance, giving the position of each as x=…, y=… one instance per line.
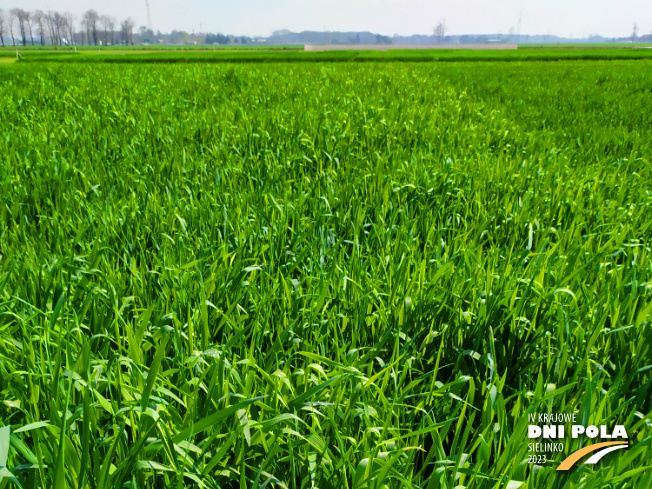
x=588, y=45
x=151, y=48
x=293, y=54
x=333, y=275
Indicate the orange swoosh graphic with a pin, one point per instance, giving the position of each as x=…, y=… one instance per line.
x=575, y=456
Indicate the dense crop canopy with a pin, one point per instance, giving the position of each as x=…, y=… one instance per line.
x=330, y=275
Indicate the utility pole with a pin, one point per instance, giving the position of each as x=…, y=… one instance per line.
x=518, y=29
x=149, y=17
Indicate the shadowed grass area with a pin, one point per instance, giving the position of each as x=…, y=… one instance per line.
x=322, y=275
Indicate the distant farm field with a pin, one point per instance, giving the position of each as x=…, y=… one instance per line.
x=328, y=53
x=334, y=275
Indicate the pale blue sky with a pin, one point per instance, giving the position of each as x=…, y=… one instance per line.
x=576, y=18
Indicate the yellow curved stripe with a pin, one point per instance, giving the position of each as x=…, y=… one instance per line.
x=575, y=456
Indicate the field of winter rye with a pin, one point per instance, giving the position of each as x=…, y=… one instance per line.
x=322, y=275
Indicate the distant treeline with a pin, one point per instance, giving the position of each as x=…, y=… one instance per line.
x=19, y=27
x=37, y=27
x=226, y=39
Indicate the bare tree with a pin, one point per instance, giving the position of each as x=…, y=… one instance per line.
x=51, y=20
x=127, y=29
x=69, y=21
x=89, y=21
x=21, y=16
x=61, y=28
x=83, y=33
x=512, y=34
x=103, y=21
x=3, y=22
x=111, y=26
x=440, y=32
x=39, y=19
x=12, y=23
x=108, y=25
x=29, y=22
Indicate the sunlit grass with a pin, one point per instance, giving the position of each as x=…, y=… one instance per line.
x=321, y=275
